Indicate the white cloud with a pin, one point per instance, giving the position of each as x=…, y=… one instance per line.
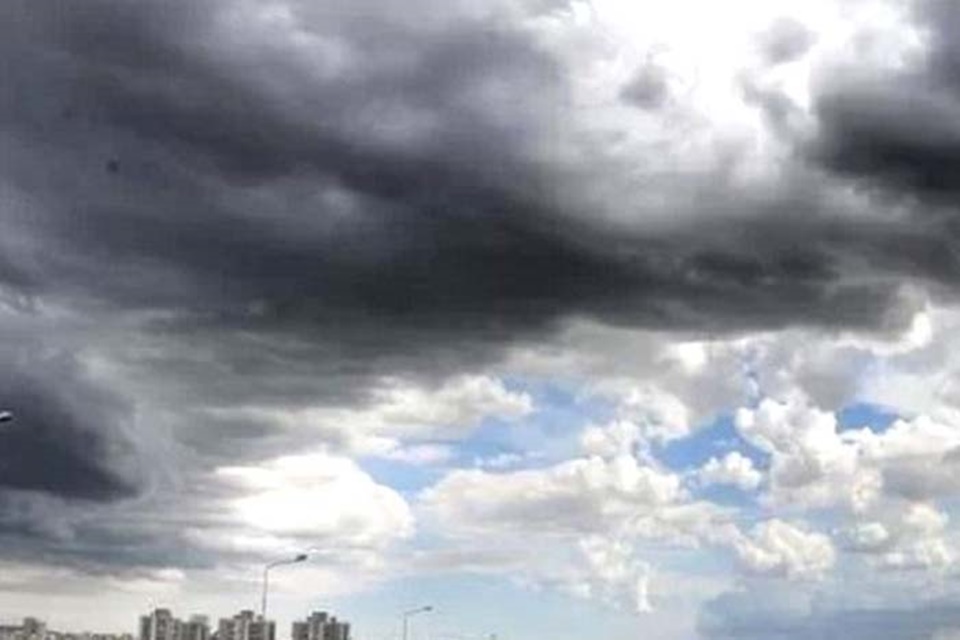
x=587, y=515
x=781, y=548
x=733, y=469
x=619, y=438
x=815, y=464
x=401, y=410
x=868, y=537
x=321, y=497
x=810, y=464
x=582, y=495
x=884, y=477
x=459, y=403
x=662, y=416
x=666, y=384
x=918, y=437
x=615, y=572
x=917, y=458
x=921, y=381
x=915, y=538
x=926, y=553
x=665, y=388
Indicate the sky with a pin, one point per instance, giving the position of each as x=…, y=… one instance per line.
x=566, y=318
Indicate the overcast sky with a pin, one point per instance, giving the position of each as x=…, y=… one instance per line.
x=571, y=318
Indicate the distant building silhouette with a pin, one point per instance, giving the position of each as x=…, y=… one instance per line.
x=320, y=626
x=35, y=629
x=160, y=625
x=31, y=629
x=197, y=628
x=246, y=626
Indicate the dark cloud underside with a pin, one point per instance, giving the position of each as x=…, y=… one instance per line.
x=68, y=437
x=732, y=616
x=165, y=174
x=898, y=130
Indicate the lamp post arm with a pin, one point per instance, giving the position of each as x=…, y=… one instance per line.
x=412, y=612
x=266, y=580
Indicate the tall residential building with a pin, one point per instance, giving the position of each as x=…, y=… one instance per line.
x=9, y=631
x=197, y=628
x=300, y=631
x=31, y=629
x=337, y=631
x=263, y=630
x=235, y=628
x=160, y=625
x=320, y=626
x=246, y=626
x=34, y=629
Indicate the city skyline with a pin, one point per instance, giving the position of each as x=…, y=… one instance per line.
x=162, y=623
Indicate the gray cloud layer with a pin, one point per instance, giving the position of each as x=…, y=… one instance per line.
x=251, y=190
x=748, y=616
x=69, y=437
x=254, y=221
x=897, y=129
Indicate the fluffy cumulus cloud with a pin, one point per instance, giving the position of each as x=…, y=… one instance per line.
x=810, y=460
x=816, y=463
x=614, y=568
x=776, y=546
x=585, y=494
x=664, y=292
x=733, y=469
x=318, y=496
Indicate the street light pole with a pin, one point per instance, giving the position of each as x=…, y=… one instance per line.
x=266, y=580
x=412, y=612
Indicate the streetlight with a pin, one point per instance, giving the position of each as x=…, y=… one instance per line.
x=266, y=579
x=6, y=416
x=412, y=612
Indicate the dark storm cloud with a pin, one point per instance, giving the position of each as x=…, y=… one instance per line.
x=168, y=173
x=96, y=540
x=445, y=233
x=899, y=133
x=68, y=438
x=898, y=129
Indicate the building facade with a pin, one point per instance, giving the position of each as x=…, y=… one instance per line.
x=196, y=628
x=30, y=629
x=320, y=626
x=246, y=626
x=160, y=625
x=35, y=629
